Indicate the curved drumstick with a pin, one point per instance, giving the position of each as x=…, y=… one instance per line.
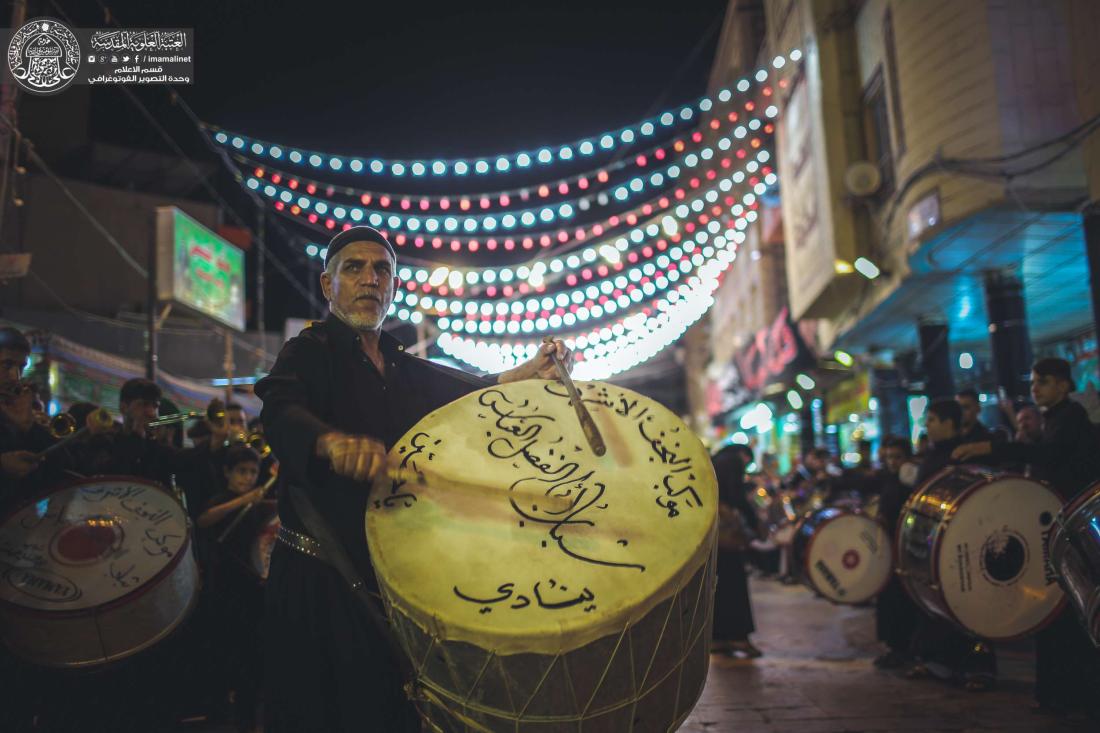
x=245, y=509
x=588, y=425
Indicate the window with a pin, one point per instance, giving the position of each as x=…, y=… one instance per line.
x=876, y=132
x=892, y=76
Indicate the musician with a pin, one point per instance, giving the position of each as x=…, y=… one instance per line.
x=18, y=442
x=895, y=613
x=733, y=620
x=338, y=396
x=1066, y=666
x=236, y=418
x=972, y=428
x=943, y=649
x=1029, y=424
x=131, y=449
x=237, y=597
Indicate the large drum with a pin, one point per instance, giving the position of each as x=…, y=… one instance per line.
x=536, y=586
x=842, y=554
x=971, y=547
x=95, y=571
x=1075, y=556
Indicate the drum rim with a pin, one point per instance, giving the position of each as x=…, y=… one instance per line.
x=1061, y=520
x=136, y=593
x=1089, y=493
x=985, y=477
x=844, y=512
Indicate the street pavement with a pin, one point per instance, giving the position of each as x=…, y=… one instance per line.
x=817, y=676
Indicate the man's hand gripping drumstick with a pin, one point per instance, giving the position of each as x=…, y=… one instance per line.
x=357, y=457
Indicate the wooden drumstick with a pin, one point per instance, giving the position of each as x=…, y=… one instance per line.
x=243, y=511
x=588, y=425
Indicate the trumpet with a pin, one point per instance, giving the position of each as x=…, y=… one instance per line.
x=61, y=425
x=214, y=413
x=255, y=441
x=64, y=429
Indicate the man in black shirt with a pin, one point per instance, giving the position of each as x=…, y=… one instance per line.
x=895, y=613
x=17, y=453
x=1066, y=455
x=972, y=428
x=338, y=397
x=132, y=450
x=942, y=647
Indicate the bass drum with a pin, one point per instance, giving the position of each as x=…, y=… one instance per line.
x=538, y=587
x=95, y=571
x=842, y=554
x=1075, y=556
x=971, y=548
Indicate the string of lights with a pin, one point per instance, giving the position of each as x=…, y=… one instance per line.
x=561, y=237
x=608, y=142
x=589, y=180
x=577, y=306
x=612, y=349
x=506, y=281
x=509, y=221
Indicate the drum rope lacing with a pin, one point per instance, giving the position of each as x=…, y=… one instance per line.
x=423, y=690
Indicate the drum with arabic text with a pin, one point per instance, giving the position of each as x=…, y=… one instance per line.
x=536, y=586
x=95, y=571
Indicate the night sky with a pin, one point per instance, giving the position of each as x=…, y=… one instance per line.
x=412, y=79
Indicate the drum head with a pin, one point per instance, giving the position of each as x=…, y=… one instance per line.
x=992, y=558
x=501, y=528
x=849, y=558
x=89, y=544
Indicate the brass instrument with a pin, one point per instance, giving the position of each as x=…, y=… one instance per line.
x=254, y=440
x=175, y=419
x=259, y=443
x=214, y=413
x=61, y=425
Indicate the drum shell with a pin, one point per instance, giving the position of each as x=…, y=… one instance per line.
x=1075, y=557
x=111, y=631
x=916, y=550
x=920, y=538
x=666, y=654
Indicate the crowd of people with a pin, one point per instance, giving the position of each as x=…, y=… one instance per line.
x=1050, y=439
x=225, y=476
x=223, y=480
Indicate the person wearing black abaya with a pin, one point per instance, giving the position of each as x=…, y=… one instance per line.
x=338, y=397
x=733, y=620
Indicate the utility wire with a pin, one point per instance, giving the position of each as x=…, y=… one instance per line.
x=28, y=145
x=199, y=175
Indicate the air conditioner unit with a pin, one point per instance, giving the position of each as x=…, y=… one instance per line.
x=862, y=179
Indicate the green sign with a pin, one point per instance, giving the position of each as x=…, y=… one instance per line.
x=204, y=271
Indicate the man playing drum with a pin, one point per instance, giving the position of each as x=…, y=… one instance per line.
x=1066, y=665
x=340, y=394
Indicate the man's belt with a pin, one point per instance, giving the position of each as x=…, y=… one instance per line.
x=303, y=543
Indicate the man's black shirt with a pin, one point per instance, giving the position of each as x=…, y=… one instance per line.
x=937, y=458
x=321, y=382
x=1067, y=455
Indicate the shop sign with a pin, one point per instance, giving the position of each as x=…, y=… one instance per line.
x=850, y=397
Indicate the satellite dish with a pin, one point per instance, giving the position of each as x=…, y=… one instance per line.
x=862, y=178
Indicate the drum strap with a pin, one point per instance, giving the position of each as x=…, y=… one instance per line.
x=335, y=555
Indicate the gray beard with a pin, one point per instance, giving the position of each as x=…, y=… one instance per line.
x=359, y=323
